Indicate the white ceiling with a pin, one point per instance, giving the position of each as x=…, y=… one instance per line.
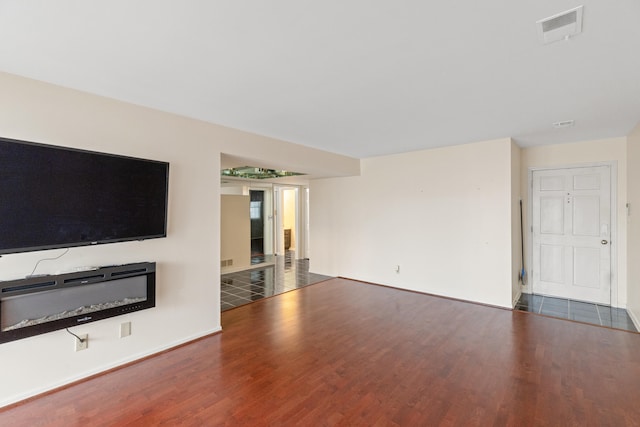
x=356, y=77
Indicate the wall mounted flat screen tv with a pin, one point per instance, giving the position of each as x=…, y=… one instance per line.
x=54, y=197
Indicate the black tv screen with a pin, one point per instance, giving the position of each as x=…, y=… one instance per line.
x=54, y=197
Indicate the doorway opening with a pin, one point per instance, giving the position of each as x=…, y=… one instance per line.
x=274, y=223
x=287, y=234
x=261, y=219
x=271, y=224
x=292, y=221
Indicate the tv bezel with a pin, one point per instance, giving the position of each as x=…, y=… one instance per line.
x=8, y=251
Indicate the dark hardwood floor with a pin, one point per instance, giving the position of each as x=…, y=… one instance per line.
x=346, y=353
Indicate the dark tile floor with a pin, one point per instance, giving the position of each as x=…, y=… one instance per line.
x=597, y=314
x=284, y=275
x=261, y=259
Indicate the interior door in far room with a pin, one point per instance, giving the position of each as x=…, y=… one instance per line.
x=257, y=214
x=571, y=219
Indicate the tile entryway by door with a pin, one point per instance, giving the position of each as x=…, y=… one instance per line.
x=596, y=314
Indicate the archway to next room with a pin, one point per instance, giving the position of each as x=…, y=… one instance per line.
x=264, y=234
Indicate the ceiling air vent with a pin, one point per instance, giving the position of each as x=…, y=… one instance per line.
x=560, y=26
x=563, y=124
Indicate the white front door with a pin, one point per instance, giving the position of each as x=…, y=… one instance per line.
x=571, y=233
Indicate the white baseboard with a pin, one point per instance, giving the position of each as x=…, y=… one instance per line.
x=634, y=318
x=103, y=368
x=516, y=298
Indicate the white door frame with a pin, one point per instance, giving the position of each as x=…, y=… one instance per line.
x=278, y=224
x=303, y=197
x=613, y=167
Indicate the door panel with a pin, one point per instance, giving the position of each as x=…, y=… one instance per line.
x=586, y=267
x=551, y=215
x=571, y=214
x=586, y=216
x=552, y=182
x=586, y=182
x=552, y=263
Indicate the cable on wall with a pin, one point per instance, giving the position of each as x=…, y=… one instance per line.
x=47, y=259
x=79, y=339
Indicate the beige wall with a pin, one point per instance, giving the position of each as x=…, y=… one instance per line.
x=605, y=150
x=443, y=215
x=633, y=254
x=235, y=231
x=188, y=273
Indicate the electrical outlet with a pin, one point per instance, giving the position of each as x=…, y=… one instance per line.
x=84, y=344
x=125, y=329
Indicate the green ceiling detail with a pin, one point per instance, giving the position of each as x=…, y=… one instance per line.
x=256, y=173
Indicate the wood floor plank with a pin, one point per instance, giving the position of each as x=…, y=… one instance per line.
x=347, y=353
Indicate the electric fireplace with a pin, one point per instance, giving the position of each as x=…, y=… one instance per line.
x=37, y=305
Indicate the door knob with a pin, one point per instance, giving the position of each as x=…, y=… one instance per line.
x=604, y=242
